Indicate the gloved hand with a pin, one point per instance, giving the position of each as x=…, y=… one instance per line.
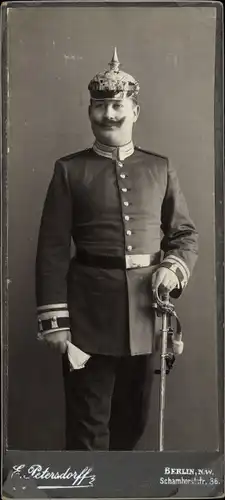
x=165, y=280
x=58, y=340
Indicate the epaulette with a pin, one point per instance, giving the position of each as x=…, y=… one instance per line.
x=74, y=155
x=151, y=153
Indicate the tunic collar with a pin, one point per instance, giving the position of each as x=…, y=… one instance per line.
x=115, y=153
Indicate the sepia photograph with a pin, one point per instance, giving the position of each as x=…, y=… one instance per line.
x=112, y=144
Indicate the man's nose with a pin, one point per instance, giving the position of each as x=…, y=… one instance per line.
x=109, y=112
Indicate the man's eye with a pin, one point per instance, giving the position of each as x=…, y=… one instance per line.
x=118, y=106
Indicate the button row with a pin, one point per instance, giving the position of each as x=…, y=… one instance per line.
x=126, y=204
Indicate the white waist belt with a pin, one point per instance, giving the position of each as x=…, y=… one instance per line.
x=138, y=260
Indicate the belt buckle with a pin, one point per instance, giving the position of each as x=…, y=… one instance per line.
x=134, y=261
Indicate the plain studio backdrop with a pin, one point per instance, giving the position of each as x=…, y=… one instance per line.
x=53, y=52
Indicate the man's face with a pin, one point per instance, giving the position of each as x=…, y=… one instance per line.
x=112, y=120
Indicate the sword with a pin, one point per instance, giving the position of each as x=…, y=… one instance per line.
x=165, y=308
x=163, y=367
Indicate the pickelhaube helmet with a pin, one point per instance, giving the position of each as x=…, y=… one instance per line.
x=113, y=83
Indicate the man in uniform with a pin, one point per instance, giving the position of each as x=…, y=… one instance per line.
x=125, y=212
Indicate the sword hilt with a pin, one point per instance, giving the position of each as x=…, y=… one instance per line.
x=163, y=304
x=166, y=310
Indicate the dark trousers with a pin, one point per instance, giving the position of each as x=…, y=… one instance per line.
x=107, y=402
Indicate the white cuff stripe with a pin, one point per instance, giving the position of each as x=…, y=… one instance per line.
x=53, y=330
x=52, y=314
x=52, y=306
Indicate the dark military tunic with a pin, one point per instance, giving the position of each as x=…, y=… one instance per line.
x=111, y=209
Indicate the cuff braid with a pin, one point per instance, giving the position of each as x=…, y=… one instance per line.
x=52, y=318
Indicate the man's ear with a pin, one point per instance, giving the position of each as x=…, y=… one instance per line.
x=136, y=112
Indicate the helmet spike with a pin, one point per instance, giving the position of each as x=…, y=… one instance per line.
x=114, y=64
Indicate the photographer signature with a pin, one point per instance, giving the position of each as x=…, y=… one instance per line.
x=77, y=479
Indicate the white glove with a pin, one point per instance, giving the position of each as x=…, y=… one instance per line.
x=165, y=279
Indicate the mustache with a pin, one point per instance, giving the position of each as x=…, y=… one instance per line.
x=109, y=123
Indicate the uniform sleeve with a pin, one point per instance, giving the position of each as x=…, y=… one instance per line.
x=180, y=237
x=53, y=255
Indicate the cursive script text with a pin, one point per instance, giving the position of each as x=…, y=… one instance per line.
x=84, y=478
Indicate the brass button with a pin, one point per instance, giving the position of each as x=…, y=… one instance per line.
x=120, y=164
x=126, y=203
x=129, y=248
x=128, y=232
x=54, y=322
x=126, y=217
x=124, y=190
x=122, y=176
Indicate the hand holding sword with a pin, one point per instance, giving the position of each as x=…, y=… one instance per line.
x=165, y=309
